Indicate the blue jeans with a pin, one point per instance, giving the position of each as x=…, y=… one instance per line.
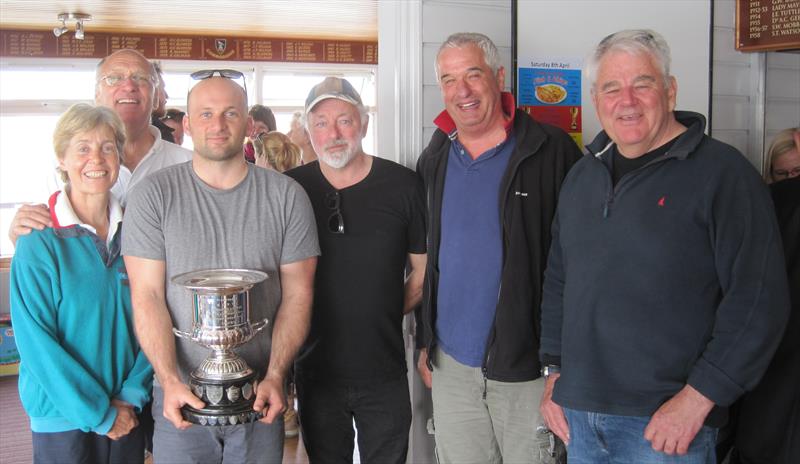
x=604, y=438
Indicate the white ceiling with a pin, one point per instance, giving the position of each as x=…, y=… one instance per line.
x=313, y=19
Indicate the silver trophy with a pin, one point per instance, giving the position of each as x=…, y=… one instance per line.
x=221, y=322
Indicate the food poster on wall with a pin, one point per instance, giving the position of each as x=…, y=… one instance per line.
x=550, y=91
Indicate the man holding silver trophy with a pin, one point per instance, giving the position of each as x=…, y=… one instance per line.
x=215, y=226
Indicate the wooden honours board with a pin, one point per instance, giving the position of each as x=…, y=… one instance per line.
x=767, y=25
x=15, y=43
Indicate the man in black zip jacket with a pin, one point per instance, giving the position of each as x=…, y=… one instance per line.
x=492, y=177
x=665, y=293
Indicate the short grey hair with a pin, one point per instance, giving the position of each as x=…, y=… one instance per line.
x=463, y=39
x=634, y=42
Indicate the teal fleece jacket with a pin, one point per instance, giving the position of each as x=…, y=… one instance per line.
x=71, y=312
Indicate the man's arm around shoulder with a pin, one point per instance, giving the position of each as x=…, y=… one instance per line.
x=28, y=218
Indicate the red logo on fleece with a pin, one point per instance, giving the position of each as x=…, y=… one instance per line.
x=661, y=201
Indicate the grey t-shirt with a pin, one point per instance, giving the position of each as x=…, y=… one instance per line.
x=262, y=223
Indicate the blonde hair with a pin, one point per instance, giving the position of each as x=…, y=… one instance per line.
x=280, y=152
x=781, y=144
x=82, y=117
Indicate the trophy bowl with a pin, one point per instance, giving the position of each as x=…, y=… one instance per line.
x=221, y=322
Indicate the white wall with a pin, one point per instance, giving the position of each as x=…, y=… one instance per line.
x=577, y=26
x=755, y=94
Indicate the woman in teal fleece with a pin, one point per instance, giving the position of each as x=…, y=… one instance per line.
x=83, y=377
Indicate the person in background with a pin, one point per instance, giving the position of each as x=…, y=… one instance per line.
x=160, y=101
x=665, y=294
x=783, y=156
x=174, y=120
x=83, y=378
x=492, y=176
x=125, y=82
x=263, y=122
x=299, y=136
x=768, y=420
x=371, y=224
x=199, y=205
x=275, y=151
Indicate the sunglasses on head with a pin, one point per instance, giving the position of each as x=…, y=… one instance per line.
x=231, y=74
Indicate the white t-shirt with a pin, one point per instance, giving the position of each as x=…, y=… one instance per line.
x=161, y=155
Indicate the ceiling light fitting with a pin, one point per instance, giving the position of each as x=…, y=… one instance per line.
x=79, y=18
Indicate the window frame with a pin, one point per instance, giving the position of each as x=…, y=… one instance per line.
x=254, y=75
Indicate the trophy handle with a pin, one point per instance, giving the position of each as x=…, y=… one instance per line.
x=182, y=334
x=258, y=326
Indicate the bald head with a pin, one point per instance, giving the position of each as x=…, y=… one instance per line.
x=218, y=83
x=217, y=119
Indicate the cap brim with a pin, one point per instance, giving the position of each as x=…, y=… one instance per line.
x=345, y=98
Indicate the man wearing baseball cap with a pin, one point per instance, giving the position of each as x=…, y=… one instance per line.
x=370, y=220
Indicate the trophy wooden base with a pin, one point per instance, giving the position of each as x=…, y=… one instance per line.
x=228, y=402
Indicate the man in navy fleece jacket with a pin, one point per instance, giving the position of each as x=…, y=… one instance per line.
x=665, y=293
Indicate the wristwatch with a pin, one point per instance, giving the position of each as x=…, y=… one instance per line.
x=549, y=369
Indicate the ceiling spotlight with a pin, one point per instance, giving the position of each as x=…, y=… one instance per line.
x=79, y=30
x=57, y=31
x=79, y=18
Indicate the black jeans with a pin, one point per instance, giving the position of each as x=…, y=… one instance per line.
x=382, y=415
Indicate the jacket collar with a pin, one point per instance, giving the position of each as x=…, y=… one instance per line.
x=63, y=215
x=687, y=142
x=445, y=122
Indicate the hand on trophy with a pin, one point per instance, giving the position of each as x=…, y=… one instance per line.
x=177, y=395
x=270, y=398
x=124, y=422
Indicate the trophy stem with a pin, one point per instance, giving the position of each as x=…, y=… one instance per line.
x=223, y=364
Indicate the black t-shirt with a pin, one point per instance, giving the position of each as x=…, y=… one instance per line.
x=623, y=165
x=356, y=323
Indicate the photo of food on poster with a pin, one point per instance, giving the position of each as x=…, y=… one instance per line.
x=549, y=89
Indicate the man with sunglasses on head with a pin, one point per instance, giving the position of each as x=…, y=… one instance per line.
x=370, y=219
x=218, y=211
x=125, y=82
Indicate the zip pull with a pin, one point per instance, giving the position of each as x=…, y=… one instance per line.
x=607, y=206
x=484, y=386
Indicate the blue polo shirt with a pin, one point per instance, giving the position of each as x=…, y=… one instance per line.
x=471, y=251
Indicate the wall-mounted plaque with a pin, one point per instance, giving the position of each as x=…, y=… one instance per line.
x=183, y=47
x=767, y=25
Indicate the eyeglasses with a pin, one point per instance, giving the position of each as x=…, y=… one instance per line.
x=232, y=74
x=140, y=80
x=784, y=174
x=335, y=221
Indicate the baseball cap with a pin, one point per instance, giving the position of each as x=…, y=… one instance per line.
x=333, y=87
